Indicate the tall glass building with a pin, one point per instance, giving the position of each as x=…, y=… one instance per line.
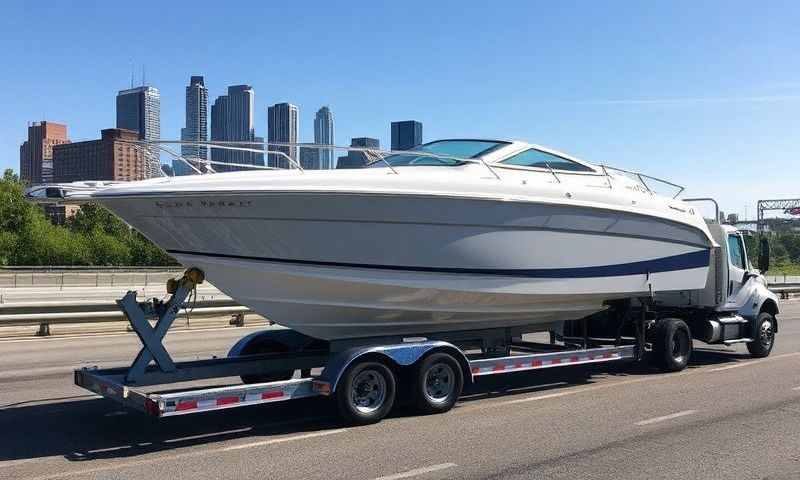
x=324, y=134
x=406, y=135
x=282, y=122
x=139, y=109
x=232, y=121
x=196, y=129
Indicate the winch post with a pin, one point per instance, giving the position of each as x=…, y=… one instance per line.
x=152, y=336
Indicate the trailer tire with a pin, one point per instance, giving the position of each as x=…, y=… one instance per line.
x=437, y=383
x=266, y=347
x=366, y=392
x=763, y=336
x=672, y=344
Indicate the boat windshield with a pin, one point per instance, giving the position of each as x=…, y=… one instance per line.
x=456, y=148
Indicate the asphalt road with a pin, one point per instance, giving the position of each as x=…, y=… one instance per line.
x=727, y=416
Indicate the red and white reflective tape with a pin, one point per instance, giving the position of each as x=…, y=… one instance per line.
x=522, y=363
x=222, y=401
x=228, y=397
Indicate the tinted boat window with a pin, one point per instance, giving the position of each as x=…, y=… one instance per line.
x=539, y=159
x=456, y=148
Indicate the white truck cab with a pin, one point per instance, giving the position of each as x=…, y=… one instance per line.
x=735, y=306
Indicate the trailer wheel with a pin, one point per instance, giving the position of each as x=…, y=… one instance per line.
x=672, y=344
x=438, y=381
x=266, y=347
x=764, y=336
x=366, y=393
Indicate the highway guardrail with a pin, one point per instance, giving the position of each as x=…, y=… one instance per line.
x=15, y=315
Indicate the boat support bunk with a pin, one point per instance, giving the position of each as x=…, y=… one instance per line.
x=152, y=383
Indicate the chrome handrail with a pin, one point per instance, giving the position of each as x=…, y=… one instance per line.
x=641, y=176
x=271, y=148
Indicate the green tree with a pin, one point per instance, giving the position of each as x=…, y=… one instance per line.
x=94, y=236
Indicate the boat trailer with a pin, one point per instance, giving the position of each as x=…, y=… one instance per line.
x=149, y=384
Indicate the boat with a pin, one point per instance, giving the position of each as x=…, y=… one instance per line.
x=456, y=234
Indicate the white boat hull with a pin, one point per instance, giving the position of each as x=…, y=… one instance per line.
x=335, y=303
x=337, y=266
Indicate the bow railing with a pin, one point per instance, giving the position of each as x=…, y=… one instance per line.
x=290, y=154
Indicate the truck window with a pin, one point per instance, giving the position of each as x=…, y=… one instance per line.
x=736, y=251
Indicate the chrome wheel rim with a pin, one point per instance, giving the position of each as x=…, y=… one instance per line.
x=368, y=391
x=439, y=382
x=765, y=334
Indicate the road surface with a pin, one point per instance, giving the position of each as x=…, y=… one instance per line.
x=727, y=416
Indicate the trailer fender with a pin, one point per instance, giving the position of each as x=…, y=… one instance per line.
x=291, y=339
x=402, y=355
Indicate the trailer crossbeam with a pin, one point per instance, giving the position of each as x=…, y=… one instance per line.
x=152, y=336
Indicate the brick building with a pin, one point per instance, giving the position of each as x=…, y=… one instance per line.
x=36, y=153
x=109, y=158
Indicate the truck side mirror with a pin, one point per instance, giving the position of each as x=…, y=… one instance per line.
x=763, y=256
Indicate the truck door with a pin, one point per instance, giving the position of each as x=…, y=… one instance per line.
x=737, y=260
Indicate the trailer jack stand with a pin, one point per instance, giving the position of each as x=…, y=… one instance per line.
x=152, y=336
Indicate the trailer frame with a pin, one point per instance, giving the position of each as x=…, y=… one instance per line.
x=151, y=383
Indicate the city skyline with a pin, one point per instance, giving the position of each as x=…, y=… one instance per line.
x=669, y=90
x=232, y=118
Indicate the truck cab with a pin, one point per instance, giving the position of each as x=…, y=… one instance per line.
x=735, y=284
x=735, y=306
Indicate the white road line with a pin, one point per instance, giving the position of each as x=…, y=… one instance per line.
x=197, y=453
x=796, y=389
x=746, y=363
x=650, y=421
x=545, y=397
x=207, y=435
x=281, y=440
x=729, y=367
x=418, y=471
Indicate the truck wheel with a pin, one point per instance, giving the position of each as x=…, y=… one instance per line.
x=438, y=381
x=672, y=344
x=366, y=393
x=764, y=337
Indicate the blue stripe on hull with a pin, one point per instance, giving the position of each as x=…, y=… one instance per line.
x=684, y=261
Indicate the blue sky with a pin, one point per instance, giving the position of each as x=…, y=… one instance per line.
x=706, y=94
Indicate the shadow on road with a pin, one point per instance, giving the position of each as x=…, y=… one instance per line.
x=85, y=429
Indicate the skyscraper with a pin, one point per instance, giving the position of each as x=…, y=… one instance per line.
x=196, y=129
x=406, y=135
x=139, y=109
x=324, y=134
x=36, y=153
x=358, y=159
x=232, y=121
x=282, y=120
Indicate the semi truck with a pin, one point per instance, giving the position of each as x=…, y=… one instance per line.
x=366, y=377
